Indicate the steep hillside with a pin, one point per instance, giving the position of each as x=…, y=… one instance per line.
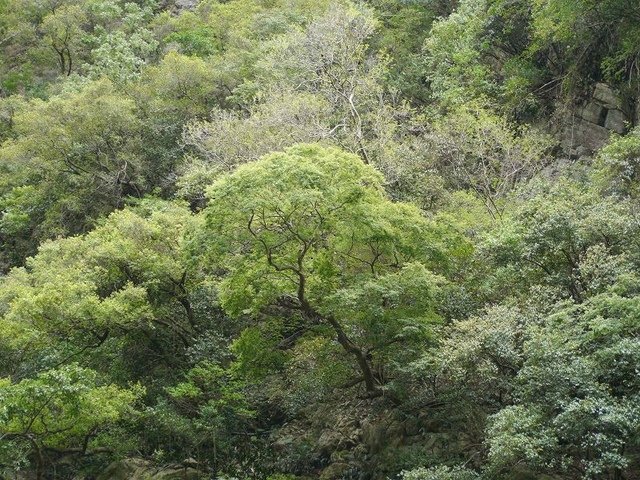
x=320, y=239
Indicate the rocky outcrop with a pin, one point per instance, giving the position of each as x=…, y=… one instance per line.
x=367, y=440
x=179, y=6
x=139, y=469
x=587, y=127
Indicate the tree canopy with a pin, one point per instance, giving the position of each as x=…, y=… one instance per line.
x=319, y=240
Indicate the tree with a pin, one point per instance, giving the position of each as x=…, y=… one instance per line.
x=576, y=412
x=229, y=139
x=478, y=150
x=63, y=30
x=440, y=473
x=121, y=39
x=60, y=412
x=330, y=58
x=592, y=38
x=565, y=238
x=309, y=232
x=77, y=156
x=125, y=283
x=616, y=170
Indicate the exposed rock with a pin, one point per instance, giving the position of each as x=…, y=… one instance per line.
x=616, y=121
x=607, y=96
x=335, y=471
x=379, y=433
x=593, y=113
x=589, y=125
x=178, y=6
x=329, y=441
x=582, y=133
x=185, y=4
x=373, y=435
x=139, y=469
x=412, y=426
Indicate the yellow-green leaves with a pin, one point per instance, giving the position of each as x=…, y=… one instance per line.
x=309, y=212
x=61, y=407
x=127, y=274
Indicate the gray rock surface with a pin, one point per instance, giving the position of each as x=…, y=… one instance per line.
x=587, y=127
x=139, y=469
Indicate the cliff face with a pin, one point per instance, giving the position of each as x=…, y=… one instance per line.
x=585, y=127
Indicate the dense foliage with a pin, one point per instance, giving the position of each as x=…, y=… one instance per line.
x=333, y=239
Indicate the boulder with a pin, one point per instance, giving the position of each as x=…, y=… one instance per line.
x=607, y=96
x=139, y=469
x=335, y=471
x=582, y=133
x=616, y=121
x=329, y=441
x=412, y=426
x=589, y=125
x=594, y=113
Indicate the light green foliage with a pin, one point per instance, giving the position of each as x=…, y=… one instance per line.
x=212, y=399
x=176, y=89
x=480, y=151
x=229, y=139
x=169, y=94
x=392, y=308
x=88, y=37
x=411, y=287
x=481, y=355
x=576, y=393
x=122, y=42
x=321, y=82
x=319, y=236
x=454, y=56
x=554, y=238
x=286, y=189
x=74, y=146
x=517, y=56
x=232, y=35
x=580, y=26
x=440, y=473
x=61, y=411
x=256, y=352
x=617, y=166
x=127, y=275
x=331, y=59
x=403, y=27
x=62, y=29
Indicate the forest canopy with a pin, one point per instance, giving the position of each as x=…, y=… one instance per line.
x=319, y=239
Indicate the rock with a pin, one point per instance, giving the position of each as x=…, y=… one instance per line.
x=182, y=5
x=581, y=133
x=607, y=96
x=581, y=151
x=594, y=113
x=284, y=443
x=381, y=433
x=412, y=426
x=342, y=456
x=139, y=469
x=616, y=121
x=373, y=435
x=123, y=469
x=329, y=441
x=588, y=127
x=177, y=474
x=335, y=471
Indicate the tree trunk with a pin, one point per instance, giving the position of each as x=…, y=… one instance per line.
x=370, y=382
x=39, y=458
